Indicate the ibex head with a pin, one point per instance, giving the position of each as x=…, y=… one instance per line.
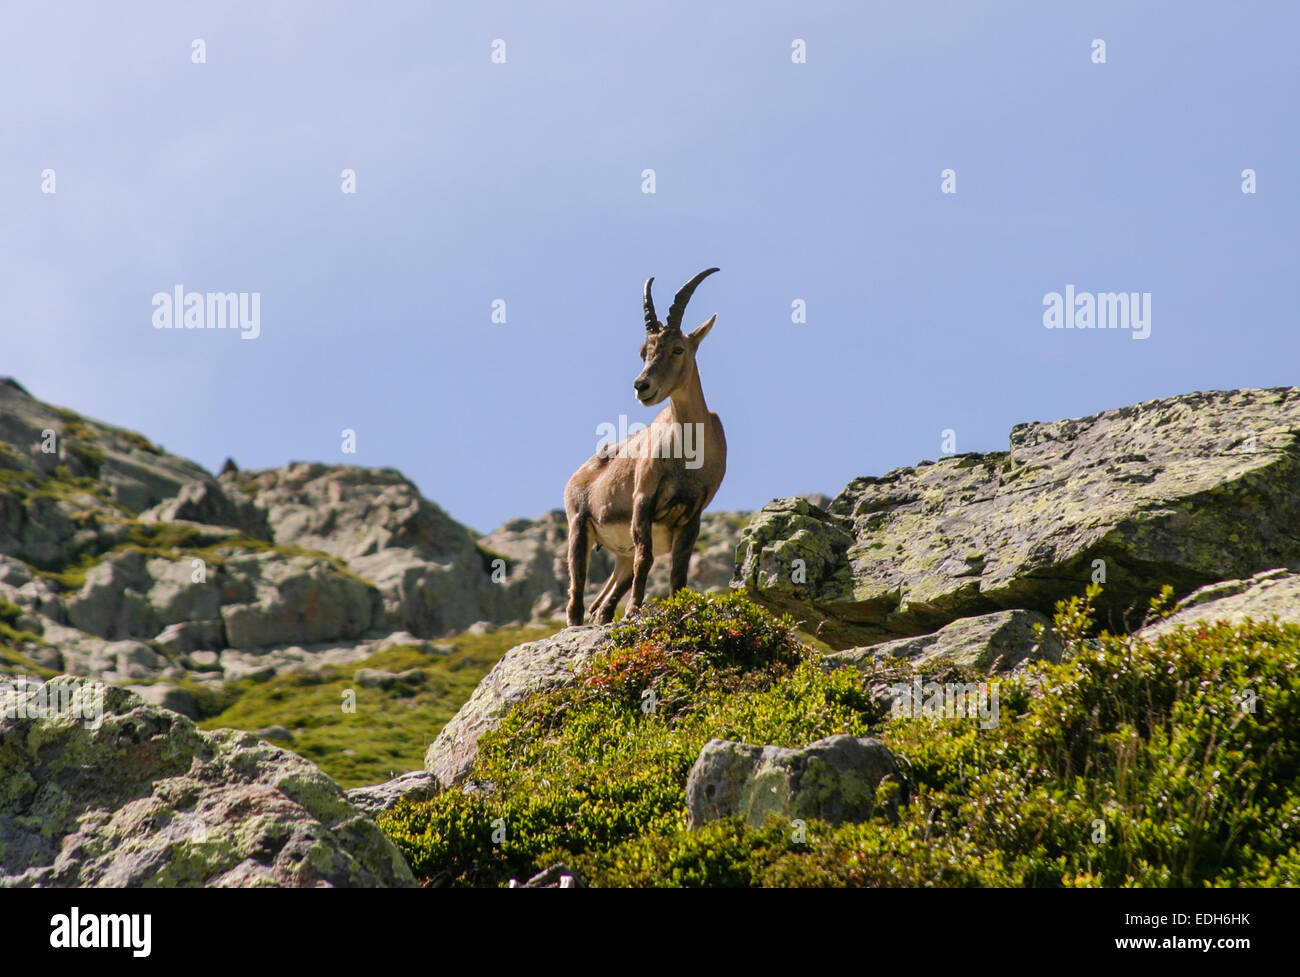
x=669, y=354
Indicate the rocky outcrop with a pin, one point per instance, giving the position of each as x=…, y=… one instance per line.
x=133, y=472
x=432, y=575
x=106, y=538
x=205, y=501
x=1262, y=597
x=297, y=599
x=526, y=669
x=834, y=779
x=121, y=562
x=133, y=595
x=168, y=696
x=1185, y=490
x=417, y=785
x=143, y=798
x=996, y=642
x=69, y=485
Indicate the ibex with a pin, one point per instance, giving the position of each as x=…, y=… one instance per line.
x=643, y=496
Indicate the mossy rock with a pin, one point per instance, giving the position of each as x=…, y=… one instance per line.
x=1169, y=491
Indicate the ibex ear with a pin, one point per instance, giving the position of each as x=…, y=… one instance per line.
x=702, y=331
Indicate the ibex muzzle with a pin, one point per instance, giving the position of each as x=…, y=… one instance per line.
x=643, y=496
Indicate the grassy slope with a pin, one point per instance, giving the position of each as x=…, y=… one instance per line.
x=390, y=729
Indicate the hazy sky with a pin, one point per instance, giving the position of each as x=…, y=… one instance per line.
x=522, y=181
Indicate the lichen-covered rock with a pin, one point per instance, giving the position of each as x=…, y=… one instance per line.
x=793, y=554
x=418, y=785
x=526, y=669
x=990, y=642
x=1184, y=490
x=1272, y=593
x=834, y=779
x=146, y=799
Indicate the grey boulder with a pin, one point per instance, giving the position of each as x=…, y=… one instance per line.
x=146, y=799
x=536, y=666
x=835, y=779
x=988, y=642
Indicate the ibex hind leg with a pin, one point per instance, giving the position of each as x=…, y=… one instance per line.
x=621, y=579
x=601, y=597
x=579, y=553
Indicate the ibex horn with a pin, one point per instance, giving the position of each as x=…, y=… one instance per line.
x=678, y=308
x=651, y=322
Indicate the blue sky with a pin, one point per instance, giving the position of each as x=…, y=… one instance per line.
x=522, y=182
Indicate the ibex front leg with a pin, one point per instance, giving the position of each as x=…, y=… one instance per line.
x=643, y=510
x=683, y=547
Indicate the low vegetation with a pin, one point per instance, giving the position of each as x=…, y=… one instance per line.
x=13, y=640
x=1168, y=762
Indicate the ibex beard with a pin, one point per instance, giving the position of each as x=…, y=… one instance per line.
x=643, y=496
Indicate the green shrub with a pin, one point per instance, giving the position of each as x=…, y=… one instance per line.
x=1133, y=763
x=679, y=640
x=587, y=767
